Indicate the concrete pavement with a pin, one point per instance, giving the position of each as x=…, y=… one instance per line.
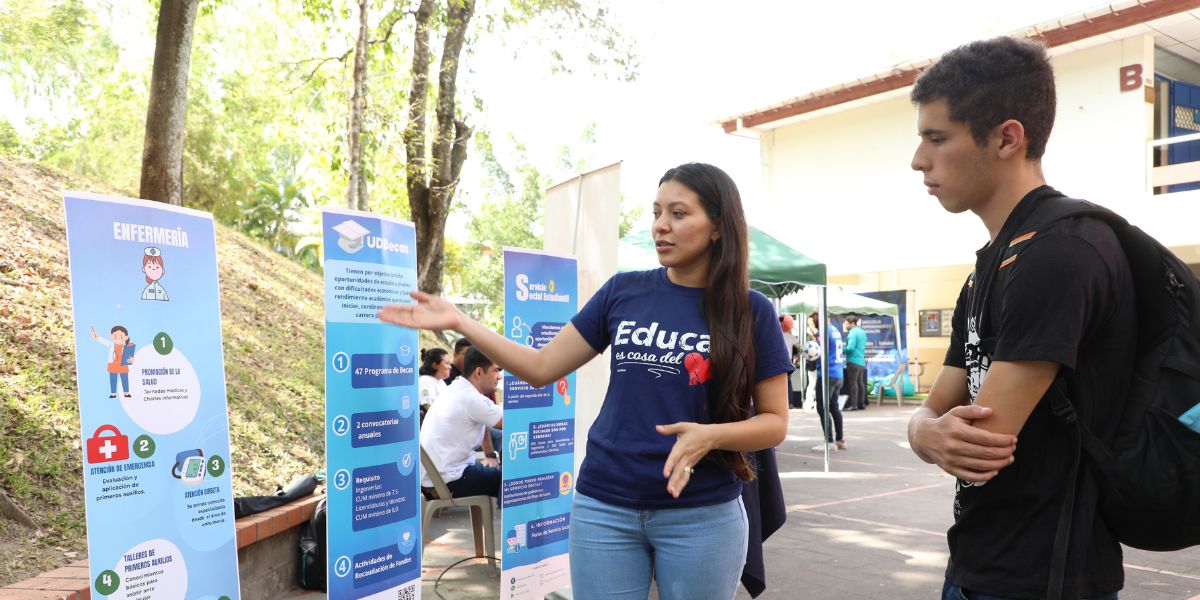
x=872, y=528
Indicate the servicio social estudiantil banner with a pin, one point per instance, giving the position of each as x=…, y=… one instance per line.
x=152, y=402
x=372, y=452
x=540, y=297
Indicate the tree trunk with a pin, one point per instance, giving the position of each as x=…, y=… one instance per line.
x=162, y=151
x=356, y=190
x=449, y=153
x=416, y=168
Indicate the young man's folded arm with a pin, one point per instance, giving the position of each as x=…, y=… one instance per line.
x=1012, y=390
x=942, y=431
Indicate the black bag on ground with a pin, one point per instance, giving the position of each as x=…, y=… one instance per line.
x=300, y=487
x=312, y=550
x=1149, y=477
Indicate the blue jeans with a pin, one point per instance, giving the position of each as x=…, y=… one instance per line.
x=476, y=480
x=835, y=389
x=691, y=552
x=951, y=591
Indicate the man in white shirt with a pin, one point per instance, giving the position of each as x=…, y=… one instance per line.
x=458, y=422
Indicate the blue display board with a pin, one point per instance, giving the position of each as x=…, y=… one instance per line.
x=540, y=297
x=881, y=340
x=152, y=407
x=371, y=449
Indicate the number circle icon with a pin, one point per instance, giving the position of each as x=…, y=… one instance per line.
x=107, y=582
x=216, y=466
x=341, y=479
x=341, y=425
x=143, y=446
x=341, y=362
x=342, y=566
x=163, y=343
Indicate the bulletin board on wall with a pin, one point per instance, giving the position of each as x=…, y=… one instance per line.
x=935, y=322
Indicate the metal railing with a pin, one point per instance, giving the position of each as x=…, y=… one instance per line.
x=1159, y=177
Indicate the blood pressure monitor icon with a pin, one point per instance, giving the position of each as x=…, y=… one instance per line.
x=189, y=467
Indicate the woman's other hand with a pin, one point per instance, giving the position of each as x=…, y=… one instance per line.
x=693, y=442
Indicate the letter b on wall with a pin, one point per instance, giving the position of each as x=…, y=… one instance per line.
x=1131, y=77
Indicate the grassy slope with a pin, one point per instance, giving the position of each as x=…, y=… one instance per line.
x=273, y=324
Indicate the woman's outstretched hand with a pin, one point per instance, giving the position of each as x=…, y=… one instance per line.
x=429, y=312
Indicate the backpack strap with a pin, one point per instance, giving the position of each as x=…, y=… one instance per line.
x=1066, y=515
x=1047, y=211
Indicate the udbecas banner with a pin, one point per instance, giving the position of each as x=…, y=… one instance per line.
x=372, y=453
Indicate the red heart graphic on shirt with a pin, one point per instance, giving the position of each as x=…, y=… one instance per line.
x=697, y=367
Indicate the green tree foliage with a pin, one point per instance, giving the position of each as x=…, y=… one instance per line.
x=49, y=48
x=510, y=215
x=272, y=77
x=276, y=204
x=10, y=140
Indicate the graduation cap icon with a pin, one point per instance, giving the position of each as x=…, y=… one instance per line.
x=351, y=233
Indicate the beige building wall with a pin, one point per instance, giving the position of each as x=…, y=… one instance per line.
x=846, y=174
x=938, y=288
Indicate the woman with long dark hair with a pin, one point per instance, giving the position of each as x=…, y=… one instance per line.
x=435, y=368
x=698, y=379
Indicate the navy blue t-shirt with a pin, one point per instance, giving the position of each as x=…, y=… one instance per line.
x=658, y=375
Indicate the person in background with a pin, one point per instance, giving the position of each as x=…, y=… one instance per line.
x=457, y=422
x=786, y=323
x=856, y=363
x=456, y=363
x=811, y=364
x=835, y=363
x=435, y=368
x=460, y=351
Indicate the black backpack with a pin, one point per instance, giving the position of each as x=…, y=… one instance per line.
x=1148, y=479
x=244, y=506
x=312, y=550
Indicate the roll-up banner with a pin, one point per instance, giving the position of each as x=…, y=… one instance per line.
x=540, y=297
x=371, y=445
x=152, y=406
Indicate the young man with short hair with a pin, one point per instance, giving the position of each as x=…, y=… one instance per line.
x=458, y=422
x=1063, y=306
x=856, y=363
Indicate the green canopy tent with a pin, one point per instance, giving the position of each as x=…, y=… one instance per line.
x=839, y=303
x=776, y=269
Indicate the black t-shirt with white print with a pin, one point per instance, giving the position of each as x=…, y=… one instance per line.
x=1068, y=300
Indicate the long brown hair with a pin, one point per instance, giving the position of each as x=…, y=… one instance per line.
x=725, y=303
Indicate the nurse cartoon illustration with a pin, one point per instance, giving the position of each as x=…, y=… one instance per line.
x=152, y=266
x=120, y=357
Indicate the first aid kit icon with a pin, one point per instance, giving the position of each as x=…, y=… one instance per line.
x=109, y=448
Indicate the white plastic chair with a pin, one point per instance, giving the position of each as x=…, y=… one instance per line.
x=482, y=527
